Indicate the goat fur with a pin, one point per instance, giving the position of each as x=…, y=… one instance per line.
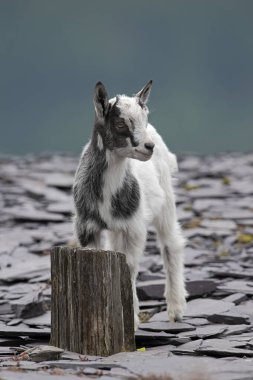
x=123, y=184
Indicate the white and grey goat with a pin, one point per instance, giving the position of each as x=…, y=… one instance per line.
x=123, y=184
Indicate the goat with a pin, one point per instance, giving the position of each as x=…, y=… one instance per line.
x=123, y=184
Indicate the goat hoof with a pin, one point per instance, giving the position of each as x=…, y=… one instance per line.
x=176, y=313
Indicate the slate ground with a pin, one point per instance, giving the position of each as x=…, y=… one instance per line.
x=215, y=339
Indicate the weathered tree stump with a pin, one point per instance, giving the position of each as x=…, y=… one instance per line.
x=92, y=302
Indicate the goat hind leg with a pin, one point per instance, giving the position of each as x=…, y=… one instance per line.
x=172, y=249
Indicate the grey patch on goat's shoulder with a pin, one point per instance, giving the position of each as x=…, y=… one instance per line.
x=88, y=185
x=126, y=200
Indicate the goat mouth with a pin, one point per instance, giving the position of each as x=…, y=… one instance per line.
x=144, y=154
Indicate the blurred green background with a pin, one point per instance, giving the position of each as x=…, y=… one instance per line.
x=198, y=52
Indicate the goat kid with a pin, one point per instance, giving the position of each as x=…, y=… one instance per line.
x=123, y=184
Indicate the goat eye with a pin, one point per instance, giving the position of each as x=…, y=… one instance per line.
x=120, y=125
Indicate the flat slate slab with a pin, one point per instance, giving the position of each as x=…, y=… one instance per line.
x=172, y=327
x=202, y=308
x=17, y=331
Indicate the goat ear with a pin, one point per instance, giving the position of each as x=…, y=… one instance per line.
x=100, y=100
x=143, y=94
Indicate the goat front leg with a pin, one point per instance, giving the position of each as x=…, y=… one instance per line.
x=87, y=233
x=132, y=243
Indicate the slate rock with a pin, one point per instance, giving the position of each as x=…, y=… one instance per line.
x=160, y=317
x=233, y=273
x=236, y=329
x=237, y=286
x=42, y=320
x=195, y=257
x=32, y=215
x=31, y=305
x=39, y=190
x=236, y=298
x=196, y=321
x=25, y=271
x=5, y=308
x=42, y=353
x=199, y=288
x=151, y=290
x=61, y=208
x=150, y=304
x=14, y=322
x=245, y=309
x=79, y=364
x=152, y=338
x=188, y=348
x=219, y=224
x=172, y=327
x=148, y=276
x=239, y=214
x=203, y=332
x=6, y=351
x=229, y=318
x=202, y=308
x=223, y=348
x=59, y=180
x=24, y=331
x=201, y=205
x=155, y=289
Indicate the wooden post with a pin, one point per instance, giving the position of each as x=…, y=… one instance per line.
x=92, y=302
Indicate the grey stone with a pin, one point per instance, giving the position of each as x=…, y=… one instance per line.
x=233, y=273
x=236, y=298
x=20, y=331
x=5, y=308
x=172, y=327
x=151, y=304
x=223, y=348
x=61, y=208
x=202, y=308
x=160, y=317
x=237, y=286
x=204, y=332
x=196, y=321
x=42, y=353
x=199, y=288
x=32, y=215
x=151, y=290
x=219, y=224
x=153, y=338
x=23, y=374
x=188, y=348
x=236, y=329
x=26, y=270
x=42, y=320
x=14, y=322
x=229, y=318
x=31, y=305
x=61, y=181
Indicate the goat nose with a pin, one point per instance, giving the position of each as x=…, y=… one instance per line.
x=149, y=146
